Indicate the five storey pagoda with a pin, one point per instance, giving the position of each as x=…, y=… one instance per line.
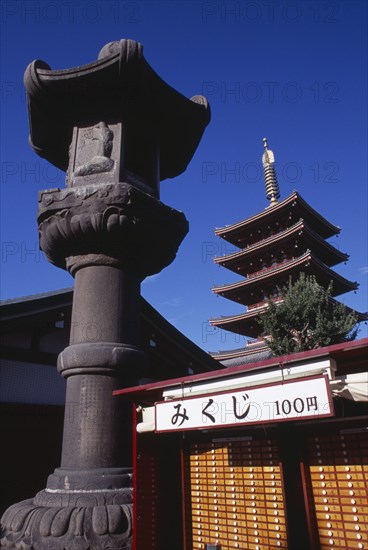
x=285, y=239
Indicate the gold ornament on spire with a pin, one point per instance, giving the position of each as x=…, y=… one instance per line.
x=270, y=176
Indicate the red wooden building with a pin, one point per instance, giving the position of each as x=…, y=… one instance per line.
x=272, y=454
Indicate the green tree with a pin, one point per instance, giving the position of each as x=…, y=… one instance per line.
x=307, y=318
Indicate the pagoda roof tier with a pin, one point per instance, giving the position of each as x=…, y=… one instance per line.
x=291, y=209
x=242, y=323
x=119, y=86
x=252, y=289
x=246, y=324
x=299, y=234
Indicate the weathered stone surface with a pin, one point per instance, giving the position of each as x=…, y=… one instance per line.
x=117, y=129
x=125, y=226
x=69, y=526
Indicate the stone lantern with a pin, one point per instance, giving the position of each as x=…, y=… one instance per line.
x=117, y=130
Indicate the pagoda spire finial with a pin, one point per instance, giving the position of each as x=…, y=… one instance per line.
x=272, y=186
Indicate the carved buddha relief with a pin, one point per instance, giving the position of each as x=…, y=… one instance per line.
x=97, y=141
x=95, y=150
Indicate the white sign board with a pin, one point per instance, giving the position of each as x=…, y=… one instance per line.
x=292, y=400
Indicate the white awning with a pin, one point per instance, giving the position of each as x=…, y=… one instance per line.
x=351, y=386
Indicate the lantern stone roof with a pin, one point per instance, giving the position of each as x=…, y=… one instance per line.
x=293, y=208
x=300, y=235
x=250, y=290
x=120, y=85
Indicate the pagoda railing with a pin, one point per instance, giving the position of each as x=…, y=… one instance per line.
x=274, y=235
x=270, y=268
x=260, y=305
x=262, y=241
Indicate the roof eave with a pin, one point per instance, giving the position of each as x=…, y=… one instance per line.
x=231, y=230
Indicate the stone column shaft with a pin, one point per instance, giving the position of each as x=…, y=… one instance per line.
x=105, y=322
x=105, y=306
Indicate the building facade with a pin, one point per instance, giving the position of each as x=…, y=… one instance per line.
x=272, y=454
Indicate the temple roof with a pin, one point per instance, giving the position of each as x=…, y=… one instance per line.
x=300, y=234
x=256, y=352
x=233, y=359
x=245, y=232
x=251, y=290
x=120, y=85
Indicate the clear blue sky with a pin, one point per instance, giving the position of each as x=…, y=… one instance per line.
x=293, y=71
